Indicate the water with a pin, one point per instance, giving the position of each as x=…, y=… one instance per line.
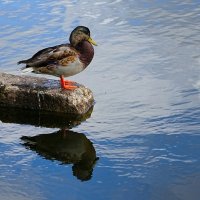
x=145, y=77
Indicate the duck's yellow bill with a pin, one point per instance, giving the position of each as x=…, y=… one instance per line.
x=92, y=41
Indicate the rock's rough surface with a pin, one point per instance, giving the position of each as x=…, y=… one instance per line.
x=43, y=94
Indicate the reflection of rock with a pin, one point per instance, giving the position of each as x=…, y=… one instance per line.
x=39, y=118
x=68, y=147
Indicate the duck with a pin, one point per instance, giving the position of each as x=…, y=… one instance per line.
x=64, y=60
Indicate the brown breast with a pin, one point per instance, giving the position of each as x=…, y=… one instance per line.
x=86, y=51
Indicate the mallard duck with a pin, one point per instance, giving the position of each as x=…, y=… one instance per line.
x=66, y=59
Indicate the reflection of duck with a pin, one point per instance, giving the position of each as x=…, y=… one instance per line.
x=68, y=147
x=66, y=59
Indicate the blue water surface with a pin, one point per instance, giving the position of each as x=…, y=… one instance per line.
x=145, y=124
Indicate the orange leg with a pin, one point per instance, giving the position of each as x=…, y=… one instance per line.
x=66, y=84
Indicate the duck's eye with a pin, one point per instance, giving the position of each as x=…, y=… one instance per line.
x=87, y=32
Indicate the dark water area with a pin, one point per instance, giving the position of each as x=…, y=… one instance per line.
x=141, y=140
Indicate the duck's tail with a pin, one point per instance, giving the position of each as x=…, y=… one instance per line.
x=22, y=62
x=27, y=68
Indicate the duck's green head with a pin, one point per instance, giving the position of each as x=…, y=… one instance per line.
x=79, y=34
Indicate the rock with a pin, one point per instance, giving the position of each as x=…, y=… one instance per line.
x=35, y=93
